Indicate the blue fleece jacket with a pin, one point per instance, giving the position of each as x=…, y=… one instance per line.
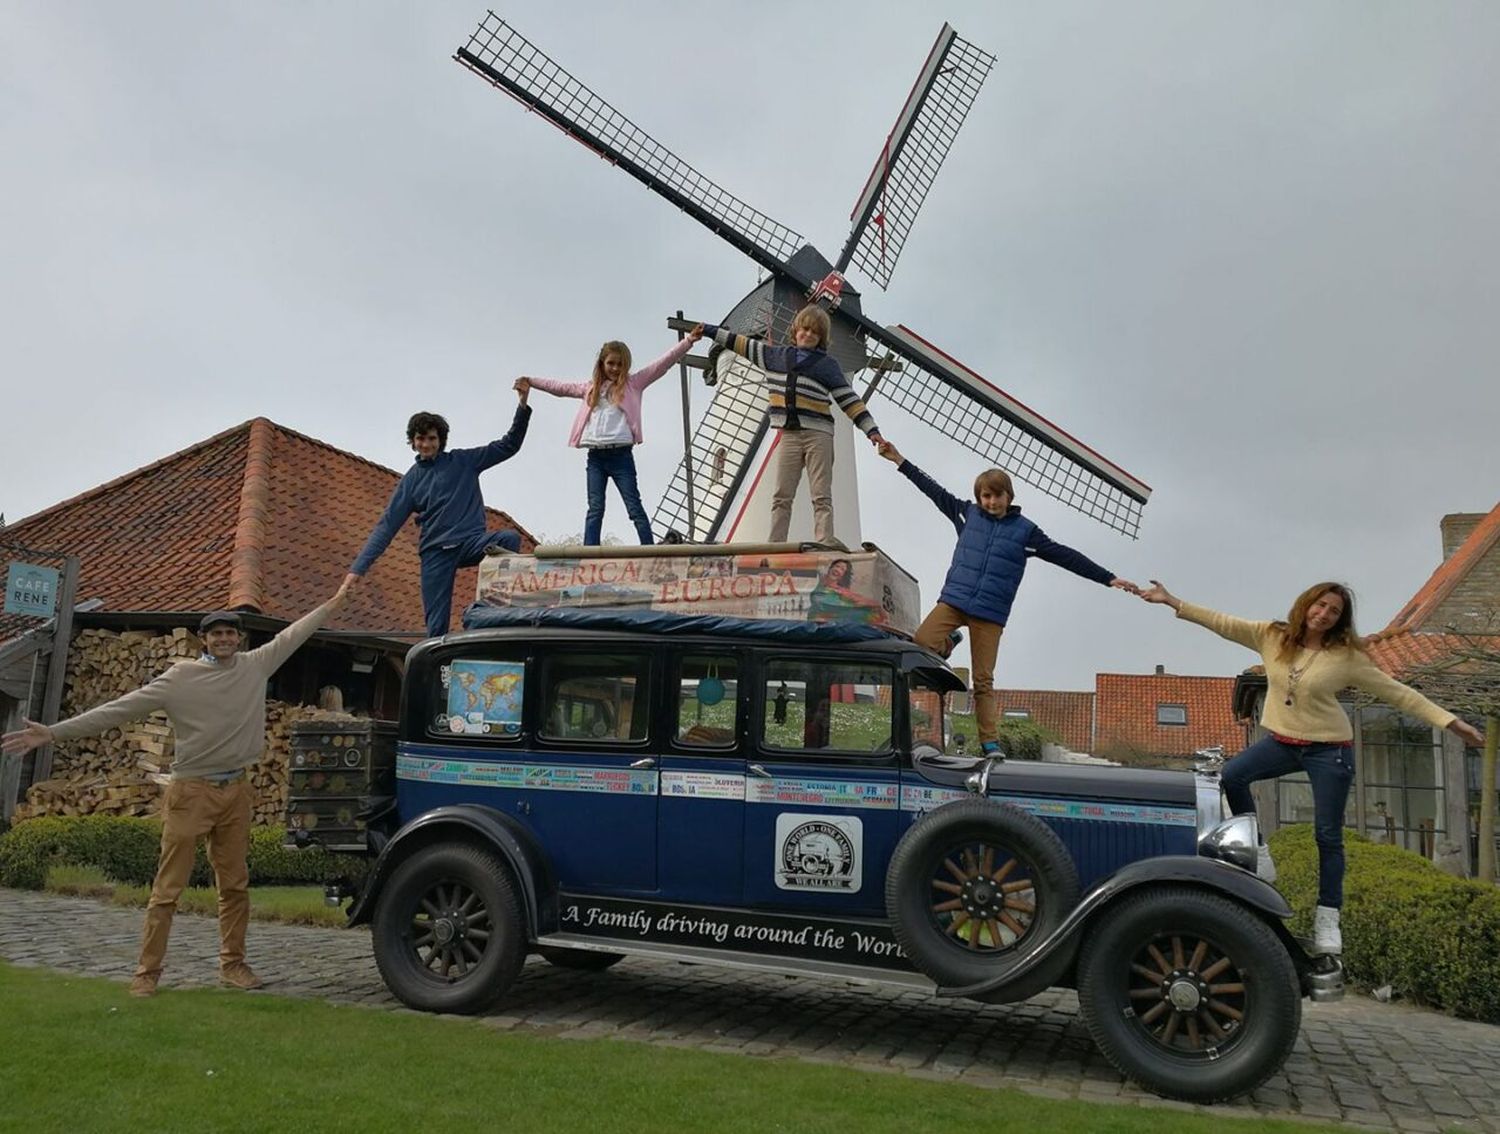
x=992, y=551
x=444, y=494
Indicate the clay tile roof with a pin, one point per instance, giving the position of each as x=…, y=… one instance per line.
x=1069, y=714
x=1398, y=652
x=1450, y=573
x=259, y=517
x=1125, y=705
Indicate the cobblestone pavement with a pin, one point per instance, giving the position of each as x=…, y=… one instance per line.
x=1386, y=1067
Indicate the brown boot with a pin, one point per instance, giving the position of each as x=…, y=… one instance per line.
x=144, y=984
x=239, y=975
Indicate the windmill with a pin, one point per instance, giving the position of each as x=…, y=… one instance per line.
x=719, y=491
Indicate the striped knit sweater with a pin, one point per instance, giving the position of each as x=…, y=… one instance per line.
x=801, y=385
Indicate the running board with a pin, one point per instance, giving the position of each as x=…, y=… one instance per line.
x=755, y=962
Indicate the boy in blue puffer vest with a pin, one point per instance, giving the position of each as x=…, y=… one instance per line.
x=994, y=542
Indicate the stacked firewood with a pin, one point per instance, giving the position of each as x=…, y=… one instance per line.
x=120, y=772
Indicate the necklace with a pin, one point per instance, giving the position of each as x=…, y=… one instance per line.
x=1294, y=674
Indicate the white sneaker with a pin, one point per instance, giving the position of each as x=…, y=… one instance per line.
x=1265, y=865
x=1326, y=936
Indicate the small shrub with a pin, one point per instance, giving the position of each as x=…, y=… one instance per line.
x=1021, y=739
x=127, y=850
x=1431, y=937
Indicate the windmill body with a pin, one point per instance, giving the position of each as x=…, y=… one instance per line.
x=722, y=488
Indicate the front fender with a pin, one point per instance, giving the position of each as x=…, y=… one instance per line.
x=1238, y=884
x=469, y=823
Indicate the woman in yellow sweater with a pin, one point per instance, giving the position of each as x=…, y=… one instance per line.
x=1309, y=659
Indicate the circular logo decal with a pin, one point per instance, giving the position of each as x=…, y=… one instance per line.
x=818, y=855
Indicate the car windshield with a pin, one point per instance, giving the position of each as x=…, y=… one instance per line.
x=927, y=707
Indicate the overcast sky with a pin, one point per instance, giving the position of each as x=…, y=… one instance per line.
x=1247, y=251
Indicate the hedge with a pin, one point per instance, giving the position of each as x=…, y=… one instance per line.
x=1021, y=739
x=126, y=849
x=1433, y=938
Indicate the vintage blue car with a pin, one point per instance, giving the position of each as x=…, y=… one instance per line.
x=592, y=785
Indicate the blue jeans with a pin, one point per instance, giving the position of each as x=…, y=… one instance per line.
x=1330, y=771
x=614, y=464
x=441, y=564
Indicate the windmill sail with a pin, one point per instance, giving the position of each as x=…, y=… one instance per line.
x=913, y=153
x=946, y=394
x=505, y=58
x=726, y=453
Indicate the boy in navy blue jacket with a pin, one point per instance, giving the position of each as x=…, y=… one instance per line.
x=994, y=542
x=442, y=489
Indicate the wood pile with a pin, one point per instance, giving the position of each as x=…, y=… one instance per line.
x=120, y=772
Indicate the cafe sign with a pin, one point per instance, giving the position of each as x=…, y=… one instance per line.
x=30, y=589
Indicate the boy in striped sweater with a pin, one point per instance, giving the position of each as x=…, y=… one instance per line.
x=802, y=383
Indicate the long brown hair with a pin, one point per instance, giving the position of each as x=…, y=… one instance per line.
x=1295, y=626
x=617, y=392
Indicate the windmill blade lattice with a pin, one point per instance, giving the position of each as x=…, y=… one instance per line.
x=947, y=395
x=913, y=153
x=728, y=434
x=506, y=59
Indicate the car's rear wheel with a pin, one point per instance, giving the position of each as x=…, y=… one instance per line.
x=973, y=888
x=447, y=931
x=584, y=960
x=1188, y=993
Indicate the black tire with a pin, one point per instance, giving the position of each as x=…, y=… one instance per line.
x=447, y=932
x=973, y=888
x=582, y=960
x=1189, y=993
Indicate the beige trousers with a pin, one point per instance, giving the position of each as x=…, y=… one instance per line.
x=195, y=809
x=984, y=644
x=798, y=449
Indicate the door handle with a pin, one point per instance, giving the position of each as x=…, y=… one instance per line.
x=758, y=770
x=644, y=762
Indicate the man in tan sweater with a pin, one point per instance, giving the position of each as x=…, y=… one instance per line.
x=217, y=705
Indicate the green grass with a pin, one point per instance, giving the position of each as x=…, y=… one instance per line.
x=83, y=1056
x=290, y=905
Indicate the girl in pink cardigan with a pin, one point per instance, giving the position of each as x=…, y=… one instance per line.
x=608, y=425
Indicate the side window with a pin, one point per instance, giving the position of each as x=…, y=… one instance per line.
x=827, y=707
x=478, y=697
x=594, y=697
x=708, y=688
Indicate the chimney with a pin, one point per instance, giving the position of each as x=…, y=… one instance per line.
x=1457, y=527
x=1161, y=671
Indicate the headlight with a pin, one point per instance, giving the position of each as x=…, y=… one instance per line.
x=1234, y=840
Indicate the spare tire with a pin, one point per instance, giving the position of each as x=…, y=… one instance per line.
x=974, y=886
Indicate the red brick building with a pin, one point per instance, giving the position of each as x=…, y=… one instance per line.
x=1151, y=718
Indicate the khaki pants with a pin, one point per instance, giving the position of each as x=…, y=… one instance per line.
x=797, y=449
x=195, y=809
x=984, y=644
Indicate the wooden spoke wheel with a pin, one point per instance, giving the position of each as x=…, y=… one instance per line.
x=450, y=930
x=447, y=932
x=983, y=895
x=1188, y=992
x=973, y=886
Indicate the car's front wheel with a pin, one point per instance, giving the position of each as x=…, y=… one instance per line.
x=447, y=931
x=1188, y=993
